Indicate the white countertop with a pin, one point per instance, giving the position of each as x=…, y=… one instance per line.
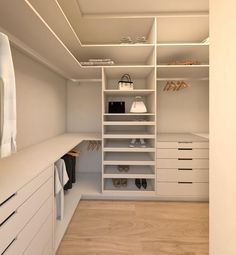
x=180, y=137
x=206, y=135
x=23, y=166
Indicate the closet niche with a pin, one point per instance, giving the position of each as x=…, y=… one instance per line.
x=164, y=148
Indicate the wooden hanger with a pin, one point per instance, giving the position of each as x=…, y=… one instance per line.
x=92, y=145
x=175, y=86
x=74, y=153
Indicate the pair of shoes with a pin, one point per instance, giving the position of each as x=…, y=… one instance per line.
x=137, y=142
x=141, y=182
x=122, y=168
x=120, y=182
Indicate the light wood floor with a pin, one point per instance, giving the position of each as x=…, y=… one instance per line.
x=133, y=228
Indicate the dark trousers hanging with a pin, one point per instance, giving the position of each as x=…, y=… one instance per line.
x=70, y=162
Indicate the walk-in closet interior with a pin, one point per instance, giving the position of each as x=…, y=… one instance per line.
x=123, y=87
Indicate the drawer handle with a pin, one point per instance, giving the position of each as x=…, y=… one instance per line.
x=184, y=142
x=1, y=204
x=8, y=246
x=8, y=218
x=185, y=149
x=185, y=182
x=185, y=169
x=185, y=159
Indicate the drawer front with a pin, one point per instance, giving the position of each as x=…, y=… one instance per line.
x=13, y=202
x=183, y=163
x=25, y=237
x=41, y=239
x=183, y=189
x=176, y=145
x=182, y=175
x=24, y=213
x=183, y=153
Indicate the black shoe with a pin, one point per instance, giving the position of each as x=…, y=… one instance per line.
x=138, y=183
x=144, y=183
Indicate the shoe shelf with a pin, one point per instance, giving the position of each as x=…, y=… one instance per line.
x=129, y=135
x=131, y=187
x=119, y=145
x=135, y=171
x=129, y=158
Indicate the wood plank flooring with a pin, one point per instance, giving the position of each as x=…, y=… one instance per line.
x=131, y=228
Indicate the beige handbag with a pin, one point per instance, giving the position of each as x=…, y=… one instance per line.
x=138, y=105
x=125, y=83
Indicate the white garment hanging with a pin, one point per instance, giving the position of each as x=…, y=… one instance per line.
x=60, y=179
x=8, y=99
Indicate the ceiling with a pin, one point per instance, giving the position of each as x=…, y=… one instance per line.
x=135, y=7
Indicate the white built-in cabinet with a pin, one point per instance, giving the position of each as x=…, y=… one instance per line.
x=169, y=38
x=26, y=218
x=182, y=43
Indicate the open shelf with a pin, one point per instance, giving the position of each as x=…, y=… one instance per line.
x=135, y=92
x=166, y=53
x=129, y=114
x=119, y=145
x=131, y=187
x=183, y=79
x=134, y=172
x=132, y=120
x=182, y=29
x=139, y=71
x=129, y=123
x=133, y=54
x=128, y=134
x=116, y=27
x=129, y=158
x=187, y=71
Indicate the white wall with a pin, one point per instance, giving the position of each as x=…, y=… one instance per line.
x=223, y=128
x=41, y=101
x=84, y=114
x=84, y=107
x=186, y=110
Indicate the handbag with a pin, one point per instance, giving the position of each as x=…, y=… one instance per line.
x=116, y=107
x=125, y=83
x=138, y=105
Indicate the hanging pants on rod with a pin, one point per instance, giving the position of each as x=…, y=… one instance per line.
x=70, y=162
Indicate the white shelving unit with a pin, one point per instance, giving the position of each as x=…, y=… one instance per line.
x=119, y=129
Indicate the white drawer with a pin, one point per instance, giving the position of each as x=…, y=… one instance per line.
x=14, y=224
x=182, y=175
x=24, y=238
x=13, y=202
x=183, y=189
x=40, y=241
x=182, y=153
x=183, y=163
x=173, y=145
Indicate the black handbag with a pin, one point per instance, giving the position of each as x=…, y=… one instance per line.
x=116, y=107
